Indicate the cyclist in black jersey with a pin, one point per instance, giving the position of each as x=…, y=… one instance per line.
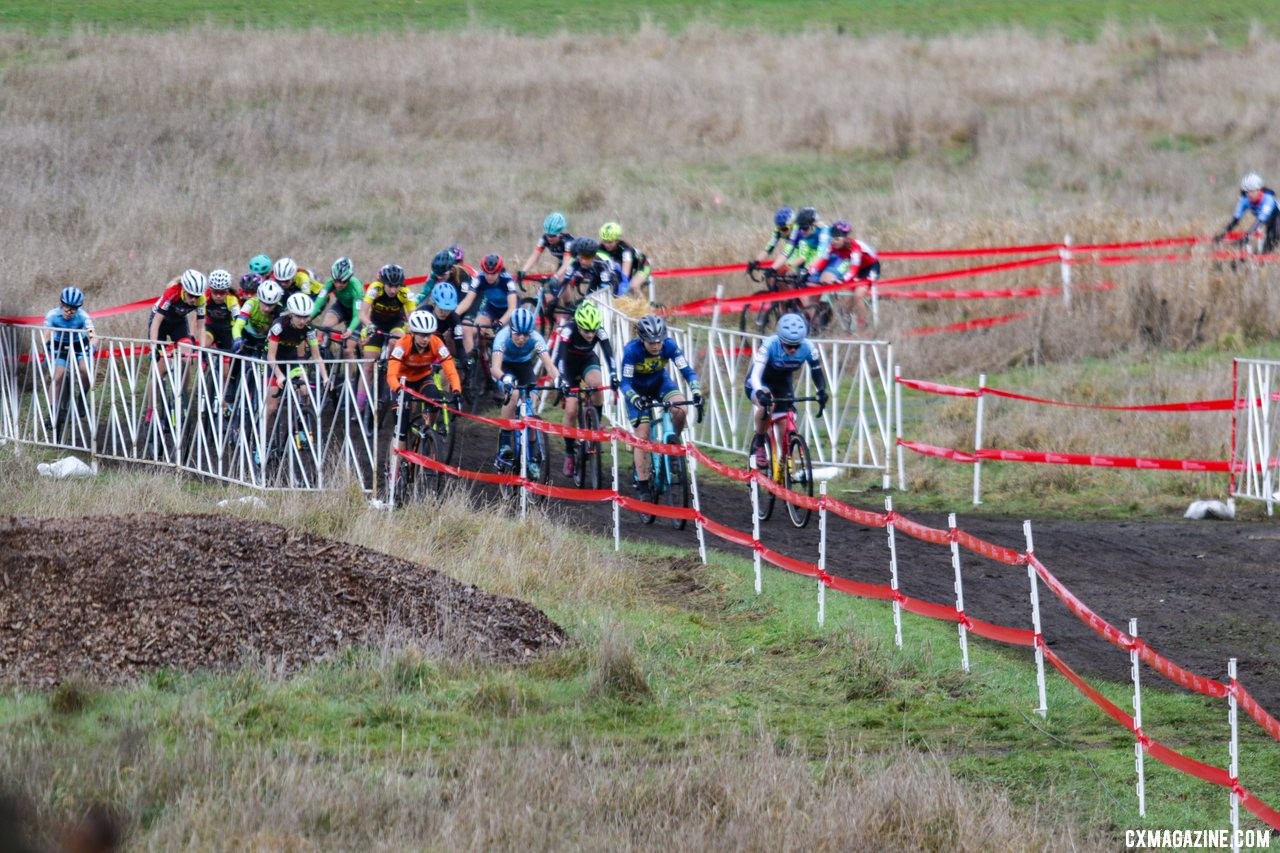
x=554, y=240
x=576, y=359
x=290, y=335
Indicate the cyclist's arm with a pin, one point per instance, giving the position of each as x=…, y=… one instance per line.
x=513, y=302
x=323, y=298
x=495, y=364
x=548, y=365
x=366, y=308
x=533, y=258
x=448, y=365
x=153, y=333
x=313, y=343
x=468, y=299
x=610, y=366
x=274, y=366
x=394, y=369
x=758, y=361
x=682, y=364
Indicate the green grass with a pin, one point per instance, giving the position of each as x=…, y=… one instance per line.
x=718, y=663
x=917, y=17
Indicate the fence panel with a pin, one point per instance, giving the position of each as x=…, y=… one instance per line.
x=1256, y=440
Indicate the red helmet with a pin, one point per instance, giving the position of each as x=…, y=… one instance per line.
x=492, y=264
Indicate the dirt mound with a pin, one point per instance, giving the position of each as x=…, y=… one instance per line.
x=114, y=596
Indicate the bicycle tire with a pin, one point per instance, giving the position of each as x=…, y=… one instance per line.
x=594, y=450
x=798, y=461
x=655, y=464
x=677, y=490
x=767, y=497
x=758, y=319
x=540, y=453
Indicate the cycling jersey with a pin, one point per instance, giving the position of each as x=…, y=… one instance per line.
x=772, y=367
x=534, y=345
x=778, y=237
x=858, y=261
x=72, y=335
x=621, y=252
x=643, y=374
x=253, y=321
x=288, y=338
x=602, y=273
x=804, y=249
x=493, y=296
x=556, y=249
x=172, y=306
x=220, y=315
x=461, y=276
x=302, y=282
x=575, y=354
x=409, y=364
x=388, y=310
x=346, y=300
x=1265, y=214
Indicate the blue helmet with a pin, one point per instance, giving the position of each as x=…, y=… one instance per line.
x=72, y=297
x=522, y=321
x=444, y=296
x=784, y=217
x=792, y=328
x=554, y=223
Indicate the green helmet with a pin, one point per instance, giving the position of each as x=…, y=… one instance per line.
x=554, y=223
x=588, y=317
x=610, y=231
x=260, y=265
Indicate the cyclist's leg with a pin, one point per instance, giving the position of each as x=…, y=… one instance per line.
x=372, y=339
x=640, y=426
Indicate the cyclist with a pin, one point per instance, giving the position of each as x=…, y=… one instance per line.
x=773, y=365
x=444, y=305
x=1259, y=200
x=178, y=315
x=445, y=266
x=578, y=363
x=249, y=284
x=413, y=366
x=586, y=272
x=494, y=298
x=260, y=265
x=515, y=350
x=339, y=301
x=632, y=262
x=809, y=241
x=386, y=308
x=286, y=340
x=257, y=315
x=286, y=273
x=783, y=221
x=220, y=312
x=644, y=377
x=849, y=260
x=70, y=335
x=554, y=239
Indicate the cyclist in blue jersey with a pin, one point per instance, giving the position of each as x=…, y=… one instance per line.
x=1259, y=200
x=644, y=377
x=70, y=336
x=516, y=351
x=493, y=295
x=773, y=366
x=783, y=224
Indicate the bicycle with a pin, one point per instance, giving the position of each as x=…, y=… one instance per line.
x=530, y=446
x=670, y=476
x=795, y=469
x=69, y=399
x=426, y=437
x=296, y=422
x=587, y=458
x=476, y=381
x=760, y=318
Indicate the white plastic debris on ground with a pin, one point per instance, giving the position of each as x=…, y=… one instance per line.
x=67, y=466
x=1225, y=511
x=248, y=500
x=374, y=503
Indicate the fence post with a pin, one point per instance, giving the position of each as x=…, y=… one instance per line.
x=1235, y=413
x=691, y=467
x=1137, y=719
x=897, y=397
x=1064, y=255
x=875, y=306
x=977, y=440
x=893, y=571
x=822, y=552
x=1043, y=708
x=617, y=519
x=955, y=564
x=523, y=437
x=1234, y=769
x=755, y=529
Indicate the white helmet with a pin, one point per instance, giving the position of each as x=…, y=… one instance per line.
x=284, y=270
x=220, y=280
x=300, y=304
x=271, y=293
x=1251, y=182
x=193, y=282
x=422, y=323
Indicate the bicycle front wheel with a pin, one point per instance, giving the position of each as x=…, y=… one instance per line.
x=765, y=508
x=676, y=492
x=798, y=477
x=589, y=469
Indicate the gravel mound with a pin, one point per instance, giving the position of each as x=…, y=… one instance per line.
x=114, y=597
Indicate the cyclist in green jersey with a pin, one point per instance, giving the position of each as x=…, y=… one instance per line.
x=257, y=315
x=339, y=301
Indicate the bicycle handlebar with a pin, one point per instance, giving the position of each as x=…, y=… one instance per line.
x=649, y=403
x=821, y=408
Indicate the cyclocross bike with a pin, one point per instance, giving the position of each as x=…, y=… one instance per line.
x=670, y=474
x=429, y=435
x=588, y=455
x=761, y=317
x=792, y=469
x=530, y=446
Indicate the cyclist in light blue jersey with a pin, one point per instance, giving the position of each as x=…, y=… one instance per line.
x=773, y=367
x=70, y=337
x=517, y=350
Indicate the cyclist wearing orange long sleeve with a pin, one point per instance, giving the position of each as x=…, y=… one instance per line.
x=412, y=364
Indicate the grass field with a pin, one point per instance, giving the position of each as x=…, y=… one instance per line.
x=916, y=17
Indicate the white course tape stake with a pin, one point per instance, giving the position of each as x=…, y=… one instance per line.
x=617, y=512
x=977, y=440
x=690, y=470
x=1234, y=769
x=955, y=564
x=1043, y=708
x=822, y=552
x=755, y=528
x=1137, y=720
x=893, y=571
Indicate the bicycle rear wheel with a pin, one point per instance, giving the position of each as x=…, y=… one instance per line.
x=539, y=470
x=677, y=492
x=589, y=471
x=766, y=496
x=798, y=477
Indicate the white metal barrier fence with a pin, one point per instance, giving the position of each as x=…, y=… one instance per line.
x=205, y=411
x=1256, y=436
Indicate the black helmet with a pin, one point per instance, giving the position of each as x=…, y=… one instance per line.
x=585, y=247
x=806, y=218
x=442, y=262
x=392, y=274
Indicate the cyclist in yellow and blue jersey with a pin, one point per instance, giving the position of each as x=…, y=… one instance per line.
x=384, y=311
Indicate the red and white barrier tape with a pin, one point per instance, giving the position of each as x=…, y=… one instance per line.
x=958, y=391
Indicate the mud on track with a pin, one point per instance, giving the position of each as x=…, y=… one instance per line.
x=1202, y=591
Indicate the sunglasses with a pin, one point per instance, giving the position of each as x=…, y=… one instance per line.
x=791, y=347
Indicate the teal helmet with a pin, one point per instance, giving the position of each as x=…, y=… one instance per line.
x=260, y=265
x=554, y=223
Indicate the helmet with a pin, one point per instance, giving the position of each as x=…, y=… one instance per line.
x=444, y=296
x=260, y=264
x=300, y=304
x=220, y=280
x=610, y=231
x=522, y=321
x=250, y=282
x=554, y=223
x=841, y=228
x=585, y=247
x=806, y=218
x=492, y=264
x=651, y=328
x=422, y=323
x=72, y=297
x=193, y=282
x=1251, y=182
x=271, y=293
x=784, y=217
x=442, y=262
x=792, y=328
x=392, y=274
x=284, y=270
x=341, y=269
x=588, y=317
x=457, y=253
